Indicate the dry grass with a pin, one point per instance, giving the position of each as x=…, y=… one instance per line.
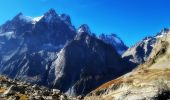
x=23, y=97
x=147, y=74
x=2, y=90
x=142, y=75
x=108, y=84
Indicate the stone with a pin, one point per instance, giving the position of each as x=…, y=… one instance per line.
x=56, y=91
x=16, y=98
x=10, y=91
x=63, y=97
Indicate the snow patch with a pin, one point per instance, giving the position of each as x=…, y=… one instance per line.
x=37, y=18
x=162, y=34
x=8, y=35
x=29, y=19
x=116, y=40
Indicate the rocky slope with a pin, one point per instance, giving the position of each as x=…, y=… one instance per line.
x=17, y=90
x=149, y=81
x=49, y=51
x=115, y=41
x=140, y=52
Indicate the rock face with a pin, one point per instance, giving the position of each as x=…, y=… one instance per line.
x=149, y=81
x=141, y=51
x=48, y=51
x=85, y=63
x=29, y=45
x=115, y=41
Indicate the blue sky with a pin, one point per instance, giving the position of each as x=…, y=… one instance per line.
x=131, y=20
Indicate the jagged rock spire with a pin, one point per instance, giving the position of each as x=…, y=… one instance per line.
x=84, y=29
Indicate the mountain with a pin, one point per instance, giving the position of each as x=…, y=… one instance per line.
x=115, y=41
x=149, y=81
x=49, y=51
x=29, y=45
x=140, y=52
x=86, y=62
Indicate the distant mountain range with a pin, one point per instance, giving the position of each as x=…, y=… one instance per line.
x=50, y=51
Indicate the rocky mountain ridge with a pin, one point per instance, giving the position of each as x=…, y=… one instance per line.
x=140, y=52
x=150, y=80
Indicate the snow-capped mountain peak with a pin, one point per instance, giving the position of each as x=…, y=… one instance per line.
x=48, y=17
x=112, y=38
x=27, y=19
x=115, y=41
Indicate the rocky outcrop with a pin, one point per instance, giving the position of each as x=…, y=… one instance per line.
x=17, y=90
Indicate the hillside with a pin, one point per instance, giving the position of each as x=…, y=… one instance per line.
x=150, y=80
